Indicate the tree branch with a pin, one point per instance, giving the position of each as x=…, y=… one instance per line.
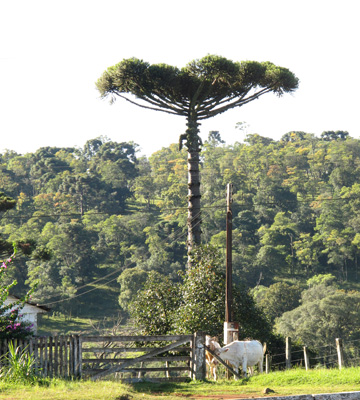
x=168, y=110
x=211, y=111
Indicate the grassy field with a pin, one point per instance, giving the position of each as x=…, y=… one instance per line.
x=58, y=323
x=281, y=383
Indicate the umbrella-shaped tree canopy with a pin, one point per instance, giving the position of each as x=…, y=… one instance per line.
x=200, y=90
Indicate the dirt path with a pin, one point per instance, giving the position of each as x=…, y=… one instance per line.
x=218, y=396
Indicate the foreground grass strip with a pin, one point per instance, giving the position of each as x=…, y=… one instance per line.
x=281, y=383
x=70, y=390
x=296, y=381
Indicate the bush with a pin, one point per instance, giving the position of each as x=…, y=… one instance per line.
x=19, y=366
x=198, y=302
x=11, y=326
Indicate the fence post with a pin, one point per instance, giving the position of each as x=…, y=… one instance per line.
x=66, y=356
x=192, y=351
x=45, y=371
x=41, y=356
x=267, y=363
x=31, y=346
x=339, y=349
x=61, y=356
x=51, y=361
x=288, y=353
x=71, y=356
x=80, y=357
x=36, y=358
x=76, y=356
x=198, y=357
x=56, y=355
x=306, y=359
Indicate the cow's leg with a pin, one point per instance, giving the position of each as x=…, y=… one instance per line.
x=214, y=372
x=244, y=368
x=209, y=371
x=236, y=369
x=251, y=370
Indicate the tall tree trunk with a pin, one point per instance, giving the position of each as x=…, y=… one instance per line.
x=193, y=144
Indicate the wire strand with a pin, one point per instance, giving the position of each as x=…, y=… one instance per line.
x=99, y=287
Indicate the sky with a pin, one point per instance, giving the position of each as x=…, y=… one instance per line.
x=53, y=51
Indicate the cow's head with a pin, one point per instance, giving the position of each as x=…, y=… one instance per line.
x=219, y=351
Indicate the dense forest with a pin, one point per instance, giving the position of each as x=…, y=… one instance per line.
x=96, y=215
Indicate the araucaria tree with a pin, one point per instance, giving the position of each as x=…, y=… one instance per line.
x=202, y=89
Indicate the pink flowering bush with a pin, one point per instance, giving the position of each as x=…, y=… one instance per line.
x=11, y=326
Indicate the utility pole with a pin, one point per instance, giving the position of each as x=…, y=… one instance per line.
x=228, y=291
x=231, y=328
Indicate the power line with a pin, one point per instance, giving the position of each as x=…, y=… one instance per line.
x=176, y=238
x=106, y=276
x=80, y=294
x=82, y=287
x=274, y=203
x=53, y=215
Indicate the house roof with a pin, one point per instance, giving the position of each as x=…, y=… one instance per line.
x=42, y=309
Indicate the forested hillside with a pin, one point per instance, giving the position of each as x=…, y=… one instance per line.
x=87, y=217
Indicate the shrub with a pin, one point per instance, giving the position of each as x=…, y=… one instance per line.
x=11, y=326
x=19, y=366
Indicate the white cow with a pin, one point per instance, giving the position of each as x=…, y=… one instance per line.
x=245, y=353
x=211, y=361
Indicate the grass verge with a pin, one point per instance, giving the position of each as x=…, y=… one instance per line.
x=281, y=383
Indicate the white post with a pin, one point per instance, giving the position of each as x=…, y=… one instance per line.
x=231, y=329
x=267, y=363
x=306, y=359
x=339, y=348
x=231, y=332
x=288, y=353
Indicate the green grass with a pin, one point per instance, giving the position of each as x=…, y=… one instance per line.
x=296, y=381
x=58, y=324
x=74, y=315
x=62, y=325
x=85, y=317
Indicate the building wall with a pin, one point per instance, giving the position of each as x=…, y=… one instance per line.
x=29, y=313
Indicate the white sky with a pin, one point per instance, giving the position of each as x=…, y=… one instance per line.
x=53, y=51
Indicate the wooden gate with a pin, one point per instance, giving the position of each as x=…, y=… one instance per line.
x=132, y=359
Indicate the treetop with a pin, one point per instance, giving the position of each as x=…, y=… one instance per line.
x=207, y=86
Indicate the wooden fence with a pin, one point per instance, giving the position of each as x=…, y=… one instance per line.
x=154, y=358
x=334, y=355
x=53, y=355
x=132, y=358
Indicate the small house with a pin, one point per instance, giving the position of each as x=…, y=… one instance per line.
x=29, y=312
